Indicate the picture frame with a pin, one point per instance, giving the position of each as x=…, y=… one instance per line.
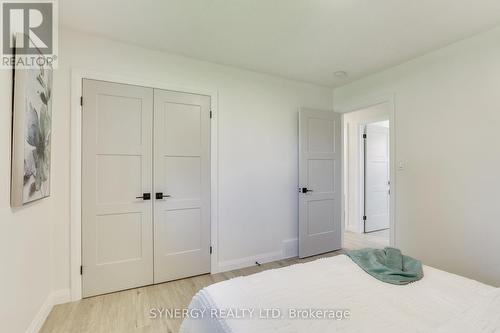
x=31, y=133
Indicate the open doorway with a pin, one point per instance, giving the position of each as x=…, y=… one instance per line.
x=367, y=172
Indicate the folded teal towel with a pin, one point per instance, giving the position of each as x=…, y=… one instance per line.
x=388, y=265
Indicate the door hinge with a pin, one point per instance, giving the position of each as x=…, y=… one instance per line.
x=364, y=218
x=81, y=270
x=211, y=114
x=81, y=100
x=210, y=249
x=364, y=136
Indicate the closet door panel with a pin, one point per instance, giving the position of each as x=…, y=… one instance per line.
x=117, y=227
x=182, y=174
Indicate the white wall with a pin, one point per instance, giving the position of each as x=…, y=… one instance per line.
x=447, y=114
x=26, y=251
x=257, y=142
x=384, y=124
x=352, y=152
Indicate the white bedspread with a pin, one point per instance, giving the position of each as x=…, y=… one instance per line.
x=337, y=283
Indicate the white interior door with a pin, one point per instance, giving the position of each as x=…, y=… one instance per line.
x=117, y=232
x=320, y=163
x=182, y=175
x=377, y=182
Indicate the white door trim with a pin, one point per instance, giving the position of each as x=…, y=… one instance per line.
x=77, y=75
x=363, y=104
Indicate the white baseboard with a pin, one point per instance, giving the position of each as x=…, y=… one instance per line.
x=289, y=250
x=262, y=258
x=56, y=297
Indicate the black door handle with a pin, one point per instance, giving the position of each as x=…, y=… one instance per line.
x=145, y=196
x=305, y=190
x=160, y=196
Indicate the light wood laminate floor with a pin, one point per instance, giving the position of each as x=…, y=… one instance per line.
x=378, y=239
x=129, y=311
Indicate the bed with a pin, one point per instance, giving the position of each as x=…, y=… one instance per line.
x=440, y=302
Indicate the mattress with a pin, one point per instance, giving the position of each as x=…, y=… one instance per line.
x=332, y=295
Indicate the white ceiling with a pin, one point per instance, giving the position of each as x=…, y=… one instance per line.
x=307, y=40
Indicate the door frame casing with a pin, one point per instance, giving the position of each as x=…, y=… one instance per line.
x=77, y=76
x=360, y=105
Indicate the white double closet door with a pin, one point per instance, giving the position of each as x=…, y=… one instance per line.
x=145, y=186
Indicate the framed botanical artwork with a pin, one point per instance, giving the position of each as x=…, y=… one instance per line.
x=31, y=134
